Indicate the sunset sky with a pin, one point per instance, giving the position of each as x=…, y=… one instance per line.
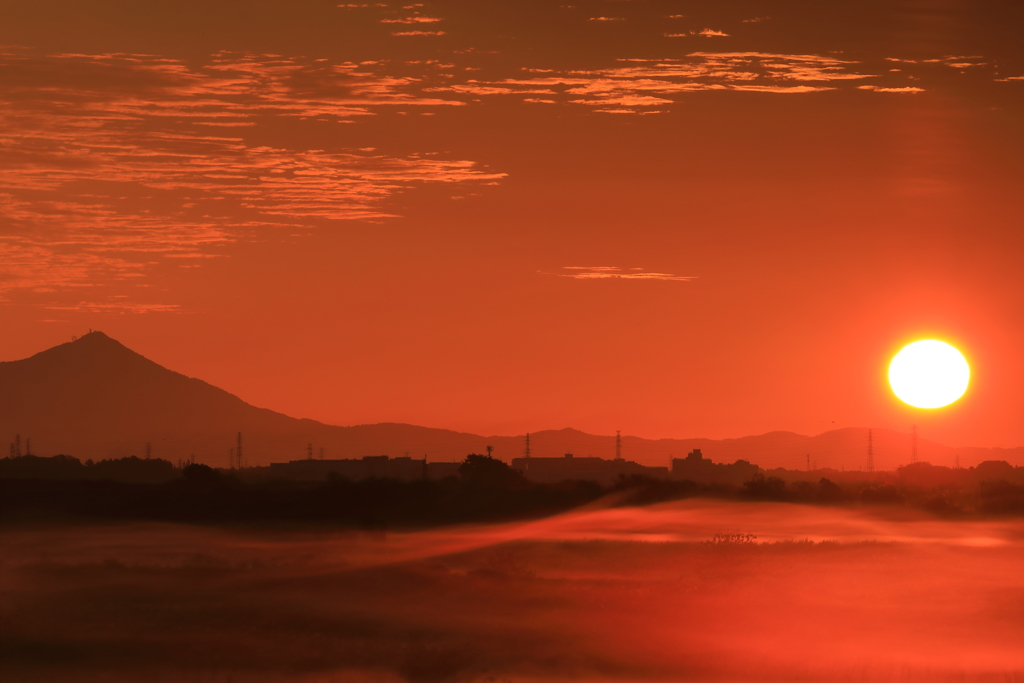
x=673, y=219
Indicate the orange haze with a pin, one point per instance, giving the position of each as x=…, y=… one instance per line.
x=708, y=220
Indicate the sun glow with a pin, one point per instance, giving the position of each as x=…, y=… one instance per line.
x=929, y=374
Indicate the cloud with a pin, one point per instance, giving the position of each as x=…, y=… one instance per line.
x=707, y=33
x=112, y=164
x=617, y=273
x=107, y=307
x=607, y=19
x=412, y=20
x=638, y=83
x=906, y=89
x=418, y=33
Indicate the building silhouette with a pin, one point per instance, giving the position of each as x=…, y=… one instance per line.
x=695, y=467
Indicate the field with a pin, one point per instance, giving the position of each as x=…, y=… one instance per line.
x=696, y=590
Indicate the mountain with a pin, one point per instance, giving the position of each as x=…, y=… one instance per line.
x=95, y=398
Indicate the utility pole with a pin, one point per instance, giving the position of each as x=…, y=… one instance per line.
x=618, y=445
x=527, y=451
x=913, y=444
x=871, y=452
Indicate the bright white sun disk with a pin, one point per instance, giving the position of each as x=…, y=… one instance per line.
x=929, y=374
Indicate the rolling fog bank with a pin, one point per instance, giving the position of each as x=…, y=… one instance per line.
x=698, y=590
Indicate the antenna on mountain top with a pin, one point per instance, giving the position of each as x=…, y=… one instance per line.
x=490, y=449
x=618, y=445
x=913, y=444
x=871, y=452
x=527, y=451
x=17, y=445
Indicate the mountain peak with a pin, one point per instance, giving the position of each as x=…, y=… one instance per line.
x=92, y=348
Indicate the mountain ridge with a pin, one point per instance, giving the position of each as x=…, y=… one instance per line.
x=95, y=398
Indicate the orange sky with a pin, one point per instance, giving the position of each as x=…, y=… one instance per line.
x=509, y=216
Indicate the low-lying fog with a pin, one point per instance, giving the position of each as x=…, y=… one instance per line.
x=693, y=590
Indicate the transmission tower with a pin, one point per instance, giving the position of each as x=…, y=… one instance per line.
x=808, y=462
x=238, y=450
x=490, y=449
x=309, y=451
x=618, y=445
x=526, y=453
x=871, y=452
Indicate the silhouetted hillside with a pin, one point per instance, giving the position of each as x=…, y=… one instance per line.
x=96, y=399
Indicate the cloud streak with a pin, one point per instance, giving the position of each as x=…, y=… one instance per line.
x=635, y=85
x=618, y=273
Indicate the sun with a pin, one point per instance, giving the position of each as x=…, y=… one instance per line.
x=929, y=374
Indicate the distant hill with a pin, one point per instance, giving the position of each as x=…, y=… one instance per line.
x=95, y=398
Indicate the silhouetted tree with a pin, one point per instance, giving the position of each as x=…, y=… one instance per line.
x=883, y=494
x=830, y=492
x=490, y=472
x=765, y=488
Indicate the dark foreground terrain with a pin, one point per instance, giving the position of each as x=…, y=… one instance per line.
x=687, y=590
x=483, y=489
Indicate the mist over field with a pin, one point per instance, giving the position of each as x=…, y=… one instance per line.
x=694, y=590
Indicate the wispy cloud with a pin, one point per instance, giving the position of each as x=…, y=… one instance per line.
x=636, y=85
x=618, y=273
x=116, y=307
x=412, y=20
x=905, y=89
x=705, y=32
x=110, y=164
